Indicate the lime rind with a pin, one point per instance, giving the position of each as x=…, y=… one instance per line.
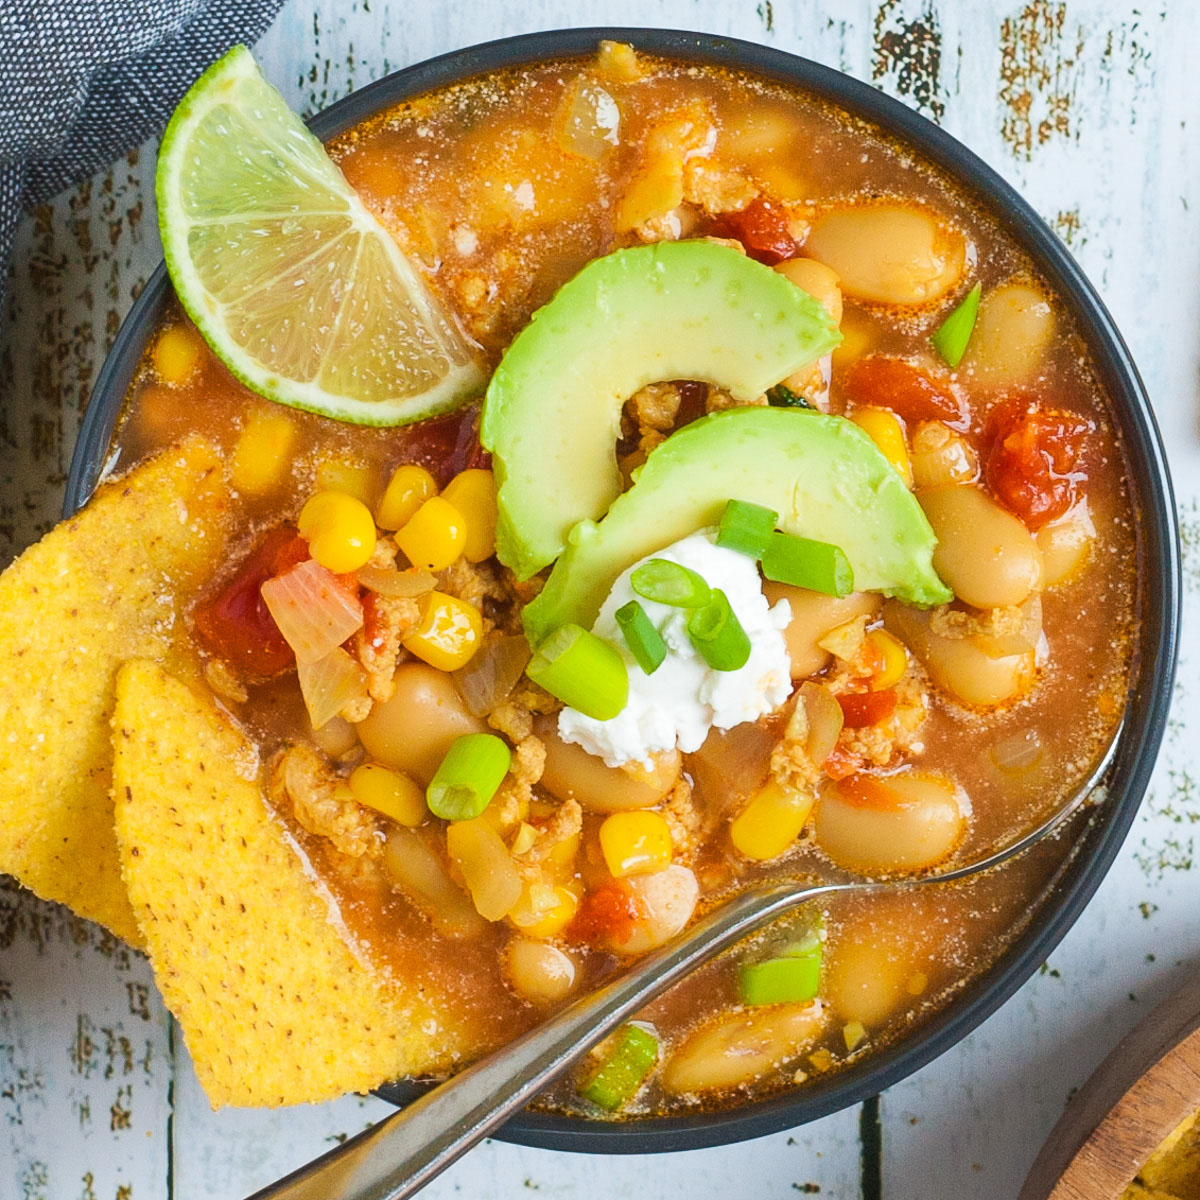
x=298, y=289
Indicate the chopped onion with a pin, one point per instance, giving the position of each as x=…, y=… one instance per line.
x=330, y=684
x=1018, y=752
x=941, y=456
x=489, y=678
x=313, y=611
x=732, y=763
x=1021, y=641
x=825, y=720
x=591, y=120
x=402, y=584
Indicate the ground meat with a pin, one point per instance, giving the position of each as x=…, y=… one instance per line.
x=387, y=620
x=791, y=766
x=514, y=718
x=810, y=383
x=488, y=587
x=889, y=742
x=719, y=399
x=685, y=820
x=383, y=557
x=566, y=822
x=654, y=408
x=958, y=623
x=714, y=188
x=322, y=802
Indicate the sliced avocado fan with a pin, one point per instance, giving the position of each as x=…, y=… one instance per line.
x=822, y=474
x=675, y=310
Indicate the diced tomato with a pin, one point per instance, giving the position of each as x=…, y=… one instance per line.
x=840, y=762
x=909, y=391
x=444, y=446
x=608, y=914
x=1035, y=459
x=235, y=623
x=860, y=709
x=868, y=791
x=764, y=227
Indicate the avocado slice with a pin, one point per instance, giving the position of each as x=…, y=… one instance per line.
x=822, y=474
x=674, y=310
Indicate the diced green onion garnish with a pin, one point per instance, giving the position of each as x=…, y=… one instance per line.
x=952, y=336
x=666, y=582
x=808, y=564
x=746, y=527
x=583, y=671
x=791, y=978
x=616, y=1080
x=718, y=634
x=643, y=639
x=469, y=776
x=783, y=397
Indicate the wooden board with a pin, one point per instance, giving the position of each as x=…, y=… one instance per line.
x=1138, y=1095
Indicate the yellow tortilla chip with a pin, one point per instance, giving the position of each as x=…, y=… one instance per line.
x=275, y=1007
x=97, y=590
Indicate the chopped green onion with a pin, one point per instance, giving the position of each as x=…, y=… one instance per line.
x=643, y=639
x=746, y=527
x=718, y=634
x=616, y=1080
x=583, y=671
x=783, y=397
x=793, y=977
x=666, y=582
x=952, y=336
x=808, y=564
x=469, y=776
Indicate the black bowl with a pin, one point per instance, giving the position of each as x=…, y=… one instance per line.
x=1157, y=542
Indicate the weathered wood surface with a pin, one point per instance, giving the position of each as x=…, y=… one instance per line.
x=1089, y=107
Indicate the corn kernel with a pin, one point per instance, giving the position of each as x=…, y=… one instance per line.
x=821, y=1060
x=435, y=536
x=635, y=843
x=448, y=633
x=409, y=487
x=562, y=854
x=894, y=658
x=389, y=792
x=525, y=837
x=262, y=457
x=544, y=910
x=176, y=354
x=339, y=529
x=356, y=479
x=883, y=428
x=771, y=822
x=917, y=983
x=473, y=493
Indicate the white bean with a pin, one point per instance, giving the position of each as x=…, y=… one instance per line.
x=740, y=1047
x=413, y=730
x=1014, y=327
x=571, y=773
x=984, y=554
x=1065, y=545
x=962, y=666
x=889, y=253
x=813, y=615
x=818, y=280
x=666, y=901
x=880, y=824
x=416, y=868
x=538, y=971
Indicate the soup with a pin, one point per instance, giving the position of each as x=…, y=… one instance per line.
x=484, y=816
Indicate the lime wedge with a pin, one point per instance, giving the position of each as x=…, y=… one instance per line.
x=299, y=290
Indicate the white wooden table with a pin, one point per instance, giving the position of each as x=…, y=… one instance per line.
x=1090, y=107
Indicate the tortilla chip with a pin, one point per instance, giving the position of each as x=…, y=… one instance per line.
x=97, y=590
x=274, y=1005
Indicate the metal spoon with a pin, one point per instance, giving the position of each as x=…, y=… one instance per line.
x=399, y=1156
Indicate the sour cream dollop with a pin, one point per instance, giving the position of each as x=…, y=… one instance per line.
x=685, y=697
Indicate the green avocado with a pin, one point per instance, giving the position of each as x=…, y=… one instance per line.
x=675, y=310
x=822, y=474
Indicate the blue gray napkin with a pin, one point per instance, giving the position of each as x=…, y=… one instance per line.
x=84, y=81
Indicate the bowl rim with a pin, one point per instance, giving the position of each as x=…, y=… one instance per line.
x=1157, y=545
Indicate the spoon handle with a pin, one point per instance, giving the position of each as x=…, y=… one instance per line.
x=397, y=1157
